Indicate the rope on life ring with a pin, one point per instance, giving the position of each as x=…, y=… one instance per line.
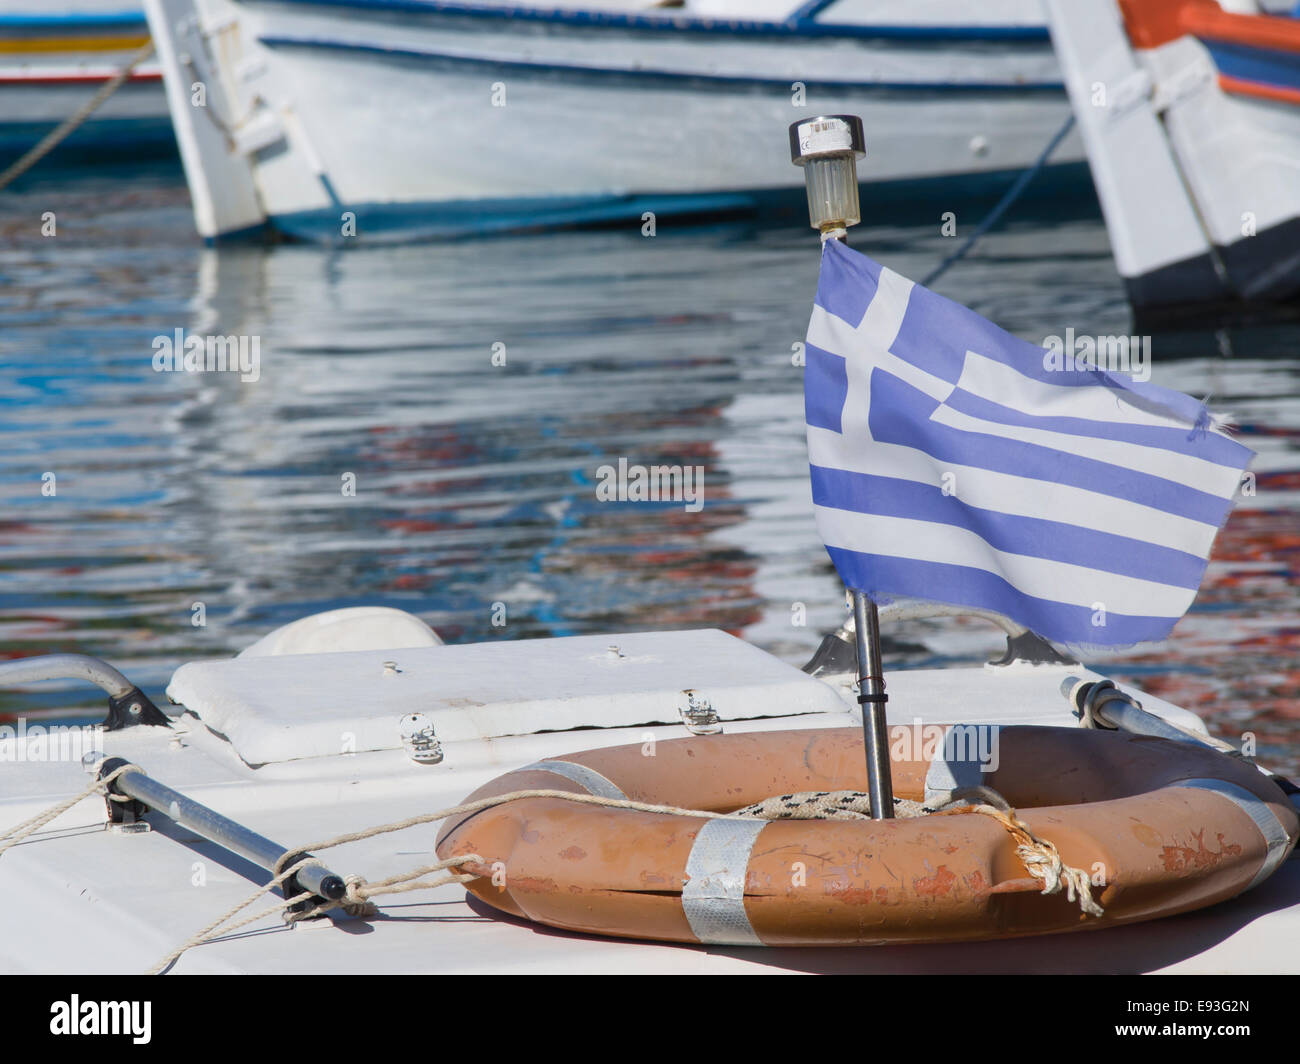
x=1039, y=856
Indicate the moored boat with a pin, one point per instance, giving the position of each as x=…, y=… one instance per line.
x=1191, y=117
x=54, y=58
x=390, y=119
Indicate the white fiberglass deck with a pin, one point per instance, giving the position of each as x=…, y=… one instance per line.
x=81, y=899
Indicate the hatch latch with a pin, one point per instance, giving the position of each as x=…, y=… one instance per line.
x=698, y=714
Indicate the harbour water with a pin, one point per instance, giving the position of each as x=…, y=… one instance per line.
x=428, y=424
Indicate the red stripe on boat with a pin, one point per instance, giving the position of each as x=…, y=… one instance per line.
x=1259, y=89
x=1253, y=31
x=1151, y=23
x=24, y=78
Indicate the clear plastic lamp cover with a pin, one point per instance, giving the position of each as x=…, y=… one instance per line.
x=832, y=192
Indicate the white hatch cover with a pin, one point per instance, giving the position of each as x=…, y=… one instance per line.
x=281, y=708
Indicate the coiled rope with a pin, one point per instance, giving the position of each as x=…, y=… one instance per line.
x=826, y=805
x=1040, y=857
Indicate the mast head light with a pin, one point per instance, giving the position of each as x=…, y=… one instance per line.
x=828, y=148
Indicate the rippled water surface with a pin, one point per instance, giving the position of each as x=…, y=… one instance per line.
x=475, y=483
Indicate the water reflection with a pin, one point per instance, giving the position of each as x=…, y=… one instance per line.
x=475, y=482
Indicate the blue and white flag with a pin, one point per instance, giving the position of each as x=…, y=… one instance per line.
x=954, y=462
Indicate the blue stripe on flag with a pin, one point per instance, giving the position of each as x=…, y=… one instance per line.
x=882, y=575
x=901, y=414
x=825, y=388
x=1208, y=446
x=936, y=333
x=1057, y=541
x=847, y=292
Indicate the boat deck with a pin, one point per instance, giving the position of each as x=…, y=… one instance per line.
x=83, y=899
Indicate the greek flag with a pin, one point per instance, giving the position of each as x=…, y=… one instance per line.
x=953, y=462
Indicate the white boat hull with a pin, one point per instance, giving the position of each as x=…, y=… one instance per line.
x=460, y=119
x=1197, y=168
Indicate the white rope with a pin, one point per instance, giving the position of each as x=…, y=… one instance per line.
x=1040, y=857
x=356, y=900
x=18, y=832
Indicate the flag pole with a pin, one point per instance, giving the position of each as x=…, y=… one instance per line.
x=828, y=147
x=872, y=699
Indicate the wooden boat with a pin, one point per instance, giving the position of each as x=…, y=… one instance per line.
x=1191, y=118
x=391, y=119
x=55, y=57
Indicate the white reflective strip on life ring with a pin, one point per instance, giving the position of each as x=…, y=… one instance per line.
x=580, y=774
x=1258, y=811
x=714, y=895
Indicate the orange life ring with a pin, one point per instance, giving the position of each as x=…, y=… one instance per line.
x=1161, y=827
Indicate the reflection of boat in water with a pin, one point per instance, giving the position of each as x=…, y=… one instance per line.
x=398, y=119
x=53, y=59
x=475, y=482
x=1191, y=117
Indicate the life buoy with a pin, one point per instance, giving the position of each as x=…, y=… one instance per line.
x=1160, y=827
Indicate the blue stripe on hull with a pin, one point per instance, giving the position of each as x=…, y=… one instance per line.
x=67, y=22
x=392, y=222
x=802, y=27
x=1263, y=65
x=100, y=138
x=408, y=222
